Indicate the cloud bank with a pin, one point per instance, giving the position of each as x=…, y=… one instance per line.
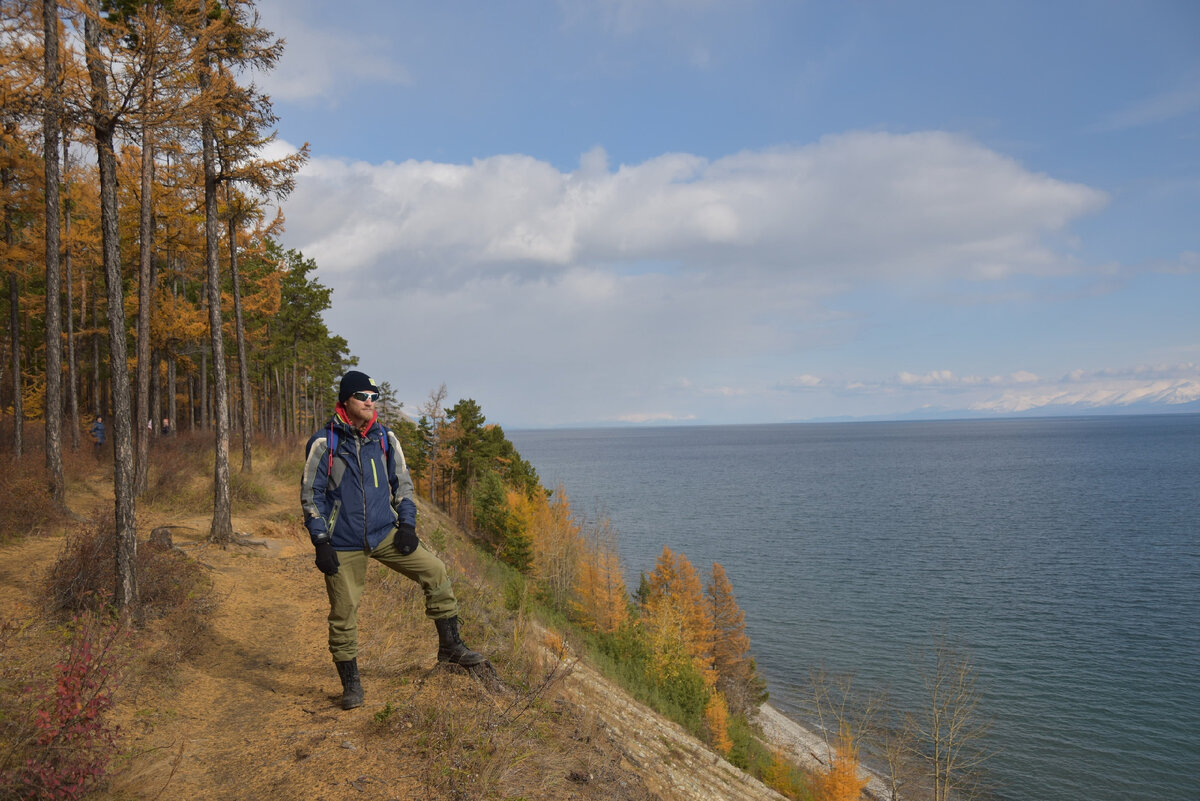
x=861, y=206
x=684, y=288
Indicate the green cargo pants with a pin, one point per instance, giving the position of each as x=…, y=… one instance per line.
x=346, y=588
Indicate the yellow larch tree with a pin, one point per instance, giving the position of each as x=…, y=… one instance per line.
x=841, y=782
x=737, y=674
x=674, y=582
x=716, y=717
x=601, y=598
x=556, y=543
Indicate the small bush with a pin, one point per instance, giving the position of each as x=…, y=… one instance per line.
x=25, y=505
x=84, y=575
x=61, y=747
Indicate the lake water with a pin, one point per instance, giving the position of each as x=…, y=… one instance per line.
x=1064, y=554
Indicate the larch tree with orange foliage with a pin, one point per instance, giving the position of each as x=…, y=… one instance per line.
x=557, y=545
x=737, y=673
x=602, y=600
x=674, y=582
x=842, y=780
x=716, y=717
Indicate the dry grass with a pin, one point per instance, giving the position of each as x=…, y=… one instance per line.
x=173, y=590
x=468, y=735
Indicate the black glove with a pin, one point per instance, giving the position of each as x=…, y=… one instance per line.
x=327, y=561
x=406, y=539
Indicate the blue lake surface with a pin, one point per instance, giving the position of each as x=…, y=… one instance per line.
x=1063, y=554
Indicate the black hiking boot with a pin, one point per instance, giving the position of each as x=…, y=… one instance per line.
x=450, y=645
x=352, y=691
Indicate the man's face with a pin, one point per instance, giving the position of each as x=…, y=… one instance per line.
x=360, y=407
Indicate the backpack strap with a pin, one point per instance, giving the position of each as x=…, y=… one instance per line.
x=332, y=445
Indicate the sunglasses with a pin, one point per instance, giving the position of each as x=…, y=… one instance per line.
x=365, y=396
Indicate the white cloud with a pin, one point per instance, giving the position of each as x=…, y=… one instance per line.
x=663, y=290
x=1023, y=391
x=653, y=417
x=848, y=208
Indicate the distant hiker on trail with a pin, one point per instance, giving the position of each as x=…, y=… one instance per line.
x=166, y=426
x=357, y=498
x=97, y=432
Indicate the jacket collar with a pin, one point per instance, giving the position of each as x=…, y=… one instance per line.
x=344, y=418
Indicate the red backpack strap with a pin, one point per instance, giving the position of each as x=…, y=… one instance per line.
x=332, y=446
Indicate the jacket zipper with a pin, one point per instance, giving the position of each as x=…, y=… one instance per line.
x=363, y=486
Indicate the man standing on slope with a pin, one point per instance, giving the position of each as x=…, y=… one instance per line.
x=357, y=498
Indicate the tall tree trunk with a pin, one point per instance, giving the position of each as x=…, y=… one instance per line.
x=243, y=367
x=145, y=296
x=50, y=124
x=155, y=389
x=204, y=411
x=125, y=502
x=280, y=419
x=222, y=523
x=72, y=363
x=14, y=325
x=295, y=392
x=172, y=411
x=97, y=406
x=14, y=330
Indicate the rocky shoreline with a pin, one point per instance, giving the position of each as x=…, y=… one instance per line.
x=807, y=747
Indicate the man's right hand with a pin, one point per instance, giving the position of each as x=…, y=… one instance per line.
x=327, y=561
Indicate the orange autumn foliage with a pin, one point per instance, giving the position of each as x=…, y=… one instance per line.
x=716, y=717
x=841, y=782
x=675, y=583
x=600, y=593
x=737, y=675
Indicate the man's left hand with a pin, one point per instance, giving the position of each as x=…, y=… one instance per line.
x=406, y=539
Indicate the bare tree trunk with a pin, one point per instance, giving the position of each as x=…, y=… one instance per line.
x=145, y=294
x=222, y=523
x=281, y=413
x=125, y=501
x=295, y=393
x=14, y=329
x=172, y=411
x=155, y=389
x=72, y=363
x=204, y=411
x=50, y=123
x=97, y=407
x=14, y=323
x=243, y=368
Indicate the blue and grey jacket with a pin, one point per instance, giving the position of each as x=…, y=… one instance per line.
x=356, y=492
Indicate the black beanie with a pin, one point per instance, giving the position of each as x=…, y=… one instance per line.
x=354, y=381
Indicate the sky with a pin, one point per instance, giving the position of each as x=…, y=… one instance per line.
x=591, y=212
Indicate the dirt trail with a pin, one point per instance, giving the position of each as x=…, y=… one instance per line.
x=254, y=714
